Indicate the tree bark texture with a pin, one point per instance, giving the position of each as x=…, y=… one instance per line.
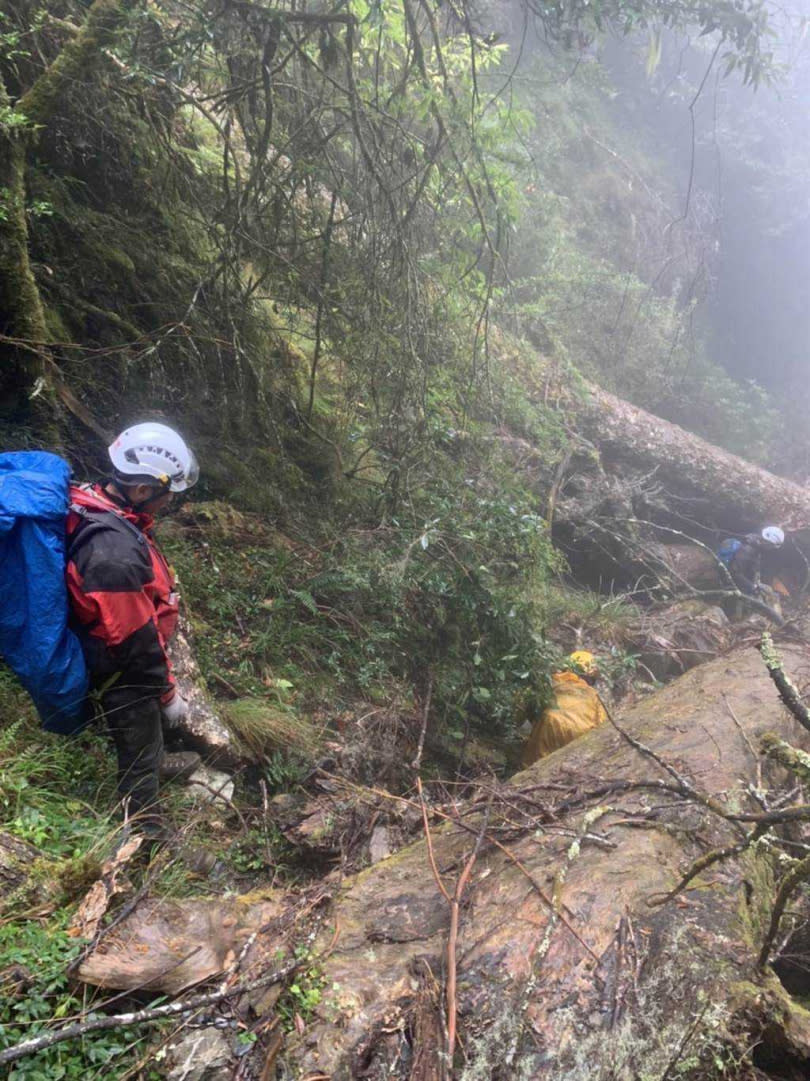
x=740, y=492
x=22, y=314
x=568, y=966
x=16, y=859
x=202, y=730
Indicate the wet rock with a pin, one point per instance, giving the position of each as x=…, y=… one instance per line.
x=16, y=857
x=202, y=1055
x=682, y=636
x=207, y=785
x=689, y=565
x=167, y=945
x=307, y=822
x=379, y=846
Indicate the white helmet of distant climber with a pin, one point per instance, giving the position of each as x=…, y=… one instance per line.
x=772, y=534
x=157, y=451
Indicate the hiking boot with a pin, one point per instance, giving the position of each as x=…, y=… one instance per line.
x=178, y=765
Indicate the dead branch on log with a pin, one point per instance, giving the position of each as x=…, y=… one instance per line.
x=799, y=813
x=731, y=593
x=684, y=1043
x=454, y=901
x=725, y=573
x=452, y=940
x=794, y=878
x=707, y=860
x=618, y=786
x=791, y=758
x=547, y=901
x=788, y=691
x=429, y=841
x=684, y=786
x=140, y=1017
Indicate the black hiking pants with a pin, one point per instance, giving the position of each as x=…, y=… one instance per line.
x=133, y=720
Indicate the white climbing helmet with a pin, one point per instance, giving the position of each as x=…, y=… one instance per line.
x=154, y=450
x=773, y=535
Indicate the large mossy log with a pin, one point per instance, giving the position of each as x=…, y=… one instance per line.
x=738, y=491
x=565, y=967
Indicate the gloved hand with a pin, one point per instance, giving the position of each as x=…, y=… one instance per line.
x=175, y=711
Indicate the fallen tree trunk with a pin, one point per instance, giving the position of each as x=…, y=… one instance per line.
x=738, y=490
x=565, y=963
x=638, y=503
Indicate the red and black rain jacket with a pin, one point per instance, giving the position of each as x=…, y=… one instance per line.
x=122, y=593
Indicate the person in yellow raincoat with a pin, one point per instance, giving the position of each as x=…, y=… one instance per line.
x=575, y=710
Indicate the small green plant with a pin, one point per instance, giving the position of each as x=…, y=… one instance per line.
x=248, y=853
x=10, y=40
x=40, y=208
x=13, y=119
x=35, y=990
x=305, y=993
x=283, y=771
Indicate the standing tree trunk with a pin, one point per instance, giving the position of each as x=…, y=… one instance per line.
x=22, y=316
x=21, y=312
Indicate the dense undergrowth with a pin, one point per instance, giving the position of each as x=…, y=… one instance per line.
x=55, y=794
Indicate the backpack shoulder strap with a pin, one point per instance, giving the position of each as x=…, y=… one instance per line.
x=89, y=514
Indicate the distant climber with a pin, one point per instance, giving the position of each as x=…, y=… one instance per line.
x=576, y=708
x=124, y=608
x=744, y=558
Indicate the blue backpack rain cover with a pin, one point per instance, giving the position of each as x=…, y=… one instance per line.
x=728, y=549
x=35, y=640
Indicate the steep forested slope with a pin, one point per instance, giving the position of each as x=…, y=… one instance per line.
x=363, y=257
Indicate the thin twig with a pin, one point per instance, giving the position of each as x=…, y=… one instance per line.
x=788, y=692
x=708, y=860
x=431, y=857
x=452, y=940
x=686, y=788
x=798, y=874
x=417, y=762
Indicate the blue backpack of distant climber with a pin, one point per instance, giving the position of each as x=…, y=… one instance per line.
x=35, y=639
x=728, y=549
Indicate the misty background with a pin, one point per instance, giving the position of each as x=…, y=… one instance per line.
x=685, y=198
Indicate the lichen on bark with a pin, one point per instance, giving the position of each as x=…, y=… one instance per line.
x=21, y=312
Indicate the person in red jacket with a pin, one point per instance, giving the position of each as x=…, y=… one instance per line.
x=124, y=605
